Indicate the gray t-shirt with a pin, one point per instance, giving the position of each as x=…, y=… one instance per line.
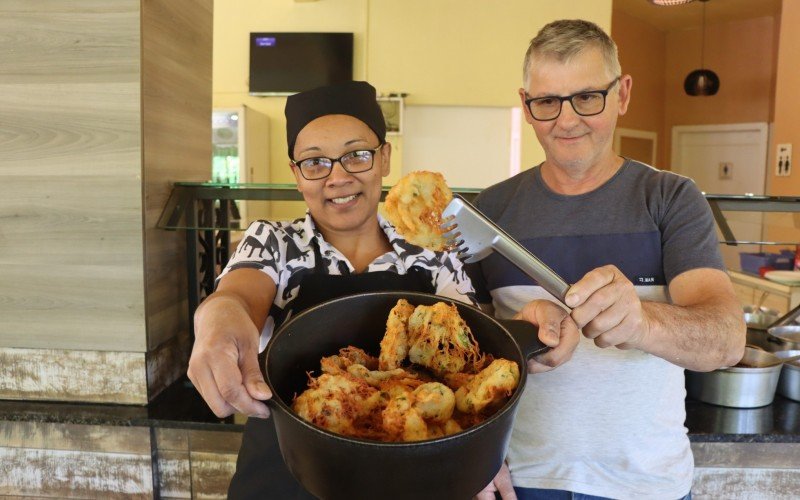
x=609, y=422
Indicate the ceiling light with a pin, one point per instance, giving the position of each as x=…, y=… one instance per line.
x=668, y=3
x=702, y=81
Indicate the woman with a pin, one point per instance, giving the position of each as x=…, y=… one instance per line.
x=336, y=137
x=339, y=156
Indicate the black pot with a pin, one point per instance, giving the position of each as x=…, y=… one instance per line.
x=332, y=466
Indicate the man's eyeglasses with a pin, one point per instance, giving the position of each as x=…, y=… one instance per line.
x=587, y=103
x=353, y=162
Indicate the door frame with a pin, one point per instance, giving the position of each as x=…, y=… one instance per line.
x=620, y=132
x=762, y=128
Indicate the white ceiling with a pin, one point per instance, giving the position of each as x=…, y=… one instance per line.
x=691, y=15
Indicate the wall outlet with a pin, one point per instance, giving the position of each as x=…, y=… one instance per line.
x=783, y=166
x=725, y=170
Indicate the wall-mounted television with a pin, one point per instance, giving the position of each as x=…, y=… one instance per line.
x=286, y=63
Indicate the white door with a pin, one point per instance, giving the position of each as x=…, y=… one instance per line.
x=726, y=159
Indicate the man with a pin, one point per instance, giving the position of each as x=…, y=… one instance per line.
x=650, y=292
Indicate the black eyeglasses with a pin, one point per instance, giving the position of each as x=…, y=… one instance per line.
x=353, y=162
x=586, y=103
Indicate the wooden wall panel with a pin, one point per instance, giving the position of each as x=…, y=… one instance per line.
x=70, y=375
x=166, y=363
x=75, y=42
x=75, y=461
x=76, y=474
x=746, y=470
x=52, y=460
x=176, y=118
x=70, y=163
x=745, y=484
x=196, y=464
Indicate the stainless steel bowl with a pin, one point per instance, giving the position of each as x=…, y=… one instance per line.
x=760, y=318
x=789, y=382
x=784, y=338
x=737, y=386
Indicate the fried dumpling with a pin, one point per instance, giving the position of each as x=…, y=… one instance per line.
x=414, y=207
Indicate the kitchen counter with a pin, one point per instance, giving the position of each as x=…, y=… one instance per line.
x=178, y=441
x=775, y=423
x=178, y=406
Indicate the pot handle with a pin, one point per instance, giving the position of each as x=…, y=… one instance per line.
x=526, y=335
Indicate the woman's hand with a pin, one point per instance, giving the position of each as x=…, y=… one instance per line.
x=224, y=362
x=556, y=329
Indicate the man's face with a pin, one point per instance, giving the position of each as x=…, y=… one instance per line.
x=573, y=142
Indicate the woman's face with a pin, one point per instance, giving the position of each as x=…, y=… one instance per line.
x=342, y=201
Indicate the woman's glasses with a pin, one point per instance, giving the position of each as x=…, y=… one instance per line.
x=353, y=162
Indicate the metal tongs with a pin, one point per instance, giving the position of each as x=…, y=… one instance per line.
x=475, y=237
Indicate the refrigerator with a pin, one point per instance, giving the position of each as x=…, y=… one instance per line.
x=240, y=154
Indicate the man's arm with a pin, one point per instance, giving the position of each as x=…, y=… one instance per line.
x=703, y=329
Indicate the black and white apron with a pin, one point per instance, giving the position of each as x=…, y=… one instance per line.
x=260, y=470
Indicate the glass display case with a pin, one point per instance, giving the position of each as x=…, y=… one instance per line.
x=208, y=212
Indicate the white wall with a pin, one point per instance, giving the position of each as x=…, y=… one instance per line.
x=473, y=147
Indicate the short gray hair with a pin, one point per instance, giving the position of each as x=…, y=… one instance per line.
x=566, y=38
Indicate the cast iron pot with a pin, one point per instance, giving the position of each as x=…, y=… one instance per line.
x=332, y=466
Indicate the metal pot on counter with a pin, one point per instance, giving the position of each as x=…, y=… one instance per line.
x=740, y=386
x=789, y=382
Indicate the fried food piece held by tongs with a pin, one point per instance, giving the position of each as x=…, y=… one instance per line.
x=414, y=207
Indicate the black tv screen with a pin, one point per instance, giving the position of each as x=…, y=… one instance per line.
x=285, y=63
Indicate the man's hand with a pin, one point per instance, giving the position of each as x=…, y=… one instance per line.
x=556, y=329
x=500, y=484
x=605, y=305
x=224, y=363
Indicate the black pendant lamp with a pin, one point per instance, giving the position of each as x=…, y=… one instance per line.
x=702, y=81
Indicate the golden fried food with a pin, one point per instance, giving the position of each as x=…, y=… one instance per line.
x=455, y=380
x=440, y=339
x=441, y=430
x=337, y=402
x=359, y=356
x=414, y=206
x=435, y=402
x=388, y=399
x=347, y=356
x=401, y=419
x=376, y=378
x=394, y=345
x=490, y=386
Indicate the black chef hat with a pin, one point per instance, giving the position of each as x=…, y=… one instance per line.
x=356, y=99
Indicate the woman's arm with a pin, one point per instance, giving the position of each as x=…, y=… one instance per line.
x=224, y=363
